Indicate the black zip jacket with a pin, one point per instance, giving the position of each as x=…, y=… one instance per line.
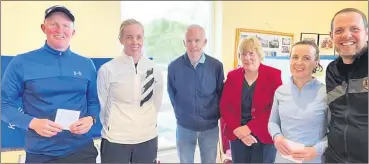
x=347, y=91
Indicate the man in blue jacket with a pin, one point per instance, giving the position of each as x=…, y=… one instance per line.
x=49, y=80
x=195, y=82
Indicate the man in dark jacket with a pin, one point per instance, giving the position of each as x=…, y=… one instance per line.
x=195, y=82
x=347, y=89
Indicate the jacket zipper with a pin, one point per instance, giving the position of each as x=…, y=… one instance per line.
x=137, y=84
x=346, y=125
x=135, y=68
x=196, y=108
x=347, y=112
x=59, y=62
x=346, y=116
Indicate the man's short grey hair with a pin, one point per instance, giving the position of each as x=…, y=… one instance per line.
x=127, y=23
x=346, y=10
x=192, y=26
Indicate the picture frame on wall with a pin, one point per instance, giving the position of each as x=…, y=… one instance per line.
x=325, y=44
x=310, y=36
x=274, y=44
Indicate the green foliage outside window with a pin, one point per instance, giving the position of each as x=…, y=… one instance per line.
x=164, y=40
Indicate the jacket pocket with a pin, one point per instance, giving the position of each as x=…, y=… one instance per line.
x=208, y=86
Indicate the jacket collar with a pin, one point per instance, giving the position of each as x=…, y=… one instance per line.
x=309, y=84
x=50, y=50
x=130, y=58
x=201, y=60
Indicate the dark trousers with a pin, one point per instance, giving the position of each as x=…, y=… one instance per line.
x=86, y=154
x=145, y=152
x=331, y=157
x=256, y=153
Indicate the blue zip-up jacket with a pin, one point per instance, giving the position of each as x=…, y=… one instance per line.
x=195, y=92
x=46, y=80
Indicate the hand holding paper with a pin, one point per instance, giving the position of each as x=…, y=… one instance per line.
x=295, y=147
x=82, y=126
x=306, y=154
x=66, y=117
x=45, y=127
x=281, y=145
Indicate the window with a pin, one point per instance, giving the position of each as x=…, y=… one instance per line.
x=165, y=23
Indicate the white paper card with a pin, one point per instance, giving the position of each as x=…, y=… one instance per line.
x=65, y=117
x=293, y=146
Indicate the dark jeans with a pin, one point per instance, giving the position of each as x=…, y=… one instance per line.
x=145, y=152
x=86, y=154
x=256, y=153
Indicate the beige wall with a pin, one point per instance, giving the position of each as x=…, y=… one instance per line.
x=97, y=23
x=97, y=26
x=281, y=16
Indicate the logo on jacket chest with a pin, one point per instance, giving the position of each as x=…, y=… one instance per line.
x=148, y=86
x=77, y=73
x=365, y=84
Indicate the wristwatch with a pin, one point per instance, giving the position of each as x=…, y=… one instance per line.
x=93, y=120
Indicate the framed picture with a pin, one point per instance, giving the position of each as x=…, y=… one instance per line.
x=325, y=44
x=310, y=36
x=286, y=49
x=274, y=44
x=286, y=41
